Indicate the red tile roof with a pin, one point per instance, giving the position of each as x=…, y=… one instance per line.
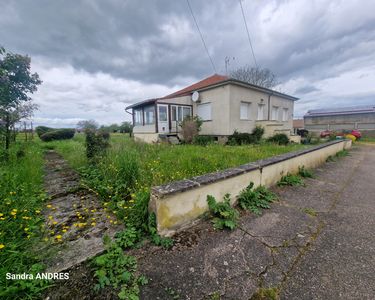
x=216, y=78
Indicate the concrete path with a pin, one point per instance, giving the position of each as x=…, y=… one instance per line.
x=76, y=221
x=340, y=264
x=318, y=242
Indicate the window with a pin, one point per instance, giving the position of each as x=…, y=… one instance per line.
x=149, y=115
x=163, y=113
x=275, y=113
x=285, y=114
x=245, y=111
x=179, y=113
x=204, y=111
x=138, y=117
x=260, y=112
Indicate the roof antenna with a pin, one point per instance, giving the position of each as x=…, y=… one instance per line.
x=227, y=63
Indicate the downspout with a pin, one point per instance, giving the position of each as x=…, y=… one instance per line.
x=269, y=106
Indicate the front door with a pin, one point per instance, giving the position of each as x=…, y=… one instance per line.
x=163, y=124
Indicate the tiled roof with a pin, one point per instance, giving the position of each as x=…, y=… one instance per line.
x=341, y=111
x=214, y=79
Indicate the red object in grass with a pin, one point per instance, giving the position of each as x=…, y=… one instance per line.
x=325, y=133
x=356, y=133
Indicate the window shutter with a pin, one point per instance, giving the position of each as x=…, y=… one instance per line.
x=204, y=111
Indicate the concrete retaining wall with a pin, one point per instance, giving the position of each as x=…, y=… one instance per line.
x=180, y=204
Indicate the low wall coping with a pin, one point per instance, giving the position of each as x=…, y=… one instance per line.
x=197, y=181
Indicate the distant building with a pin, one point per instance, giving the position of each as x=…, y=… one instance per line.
x=345, y=118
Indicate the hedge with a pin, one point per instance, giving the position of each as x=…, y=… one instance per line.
x=58, y=134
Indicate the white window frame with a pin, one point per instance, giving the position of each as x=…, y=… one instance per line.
x=138, y=117
x=260, y=116
x=179, y=117
x=205, y=108
x=245, y=110
x=285, y=114
x=275, y=113
x=149, y=113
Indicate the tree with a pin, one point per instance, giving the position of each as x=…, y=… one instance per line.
x=126, y=127
x=85, y=125
x=257, y=76
x=16, y=83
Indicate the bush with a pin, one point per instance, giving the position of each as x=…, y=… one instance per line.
x=40, y=130
x=203, y=140
x=242, y=138
x=279, y=138
x=190, y=128
x=225, y=216
x=58, y=134
x=290, y=179
x=97, y=143
x=255, y=199
x=258, y=132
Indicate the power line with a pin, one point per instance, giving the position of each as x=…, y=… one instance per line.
x=248, y=34
x=200, y=33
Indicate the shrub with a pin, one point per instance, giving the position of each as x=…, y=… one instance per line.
x=279, y=138
x=255, y=200
x=243, y=138
x=225, y=216
x=289, y=179
x=304, y=172
x=40, y=130
x=203, y=140
x=96, y=143
x=190, y=128
x=58, y=134
x=258, y=132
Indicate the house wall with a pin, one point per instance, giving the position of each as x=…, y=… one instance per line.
x=363, y=122
x=220, y=106
x=240, y=94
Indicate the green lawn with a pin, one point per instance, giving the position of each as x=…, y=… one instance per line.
x=158, y=164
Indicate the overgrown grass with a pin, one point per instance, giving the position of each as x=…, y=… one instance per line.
x=21, y=223
x=160, y=164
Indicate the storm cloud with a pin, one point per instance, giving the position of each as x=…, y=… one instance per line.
x=95, y=57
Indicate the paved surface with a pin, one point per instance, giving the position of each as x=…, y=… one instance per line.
x=75, y=215
x=318, y=242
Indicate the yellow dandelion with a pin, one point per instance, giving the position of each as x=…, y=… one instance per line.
x=54, y=222
x=93, y=224
x=37, y=211
x=49, y=205
x=64, y=230
x=58, y=237
x=2, y=246
x=50, y=217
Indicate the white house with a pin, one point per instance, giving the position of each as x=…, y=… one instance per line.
x=224, y=104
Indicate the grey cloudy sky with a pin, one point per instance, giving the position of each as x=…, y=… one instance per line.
x=96, y=57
